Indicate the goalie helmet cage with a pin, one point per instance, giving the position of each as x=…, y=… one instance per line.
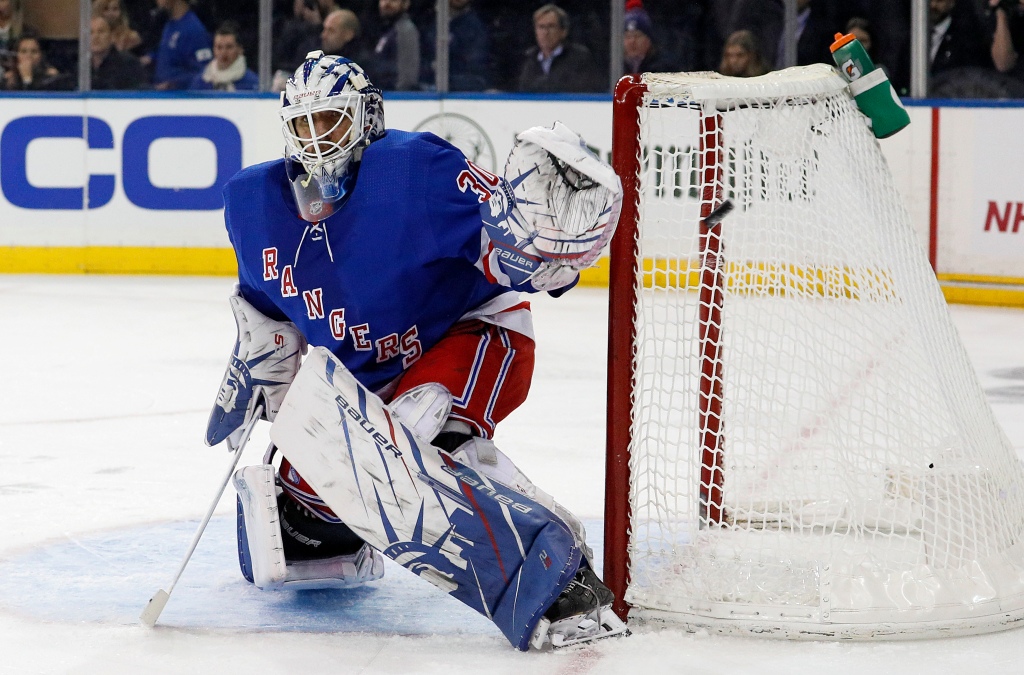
x=798, y=445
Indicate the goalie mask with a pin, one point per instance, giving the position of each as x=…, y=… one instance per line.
x=330, y=113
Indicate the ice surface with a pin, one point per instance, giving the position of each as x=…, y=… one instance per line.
x=106, y=388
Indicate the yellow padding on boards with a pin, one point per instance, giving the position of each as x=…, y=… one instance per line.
x=833, y=282
x=117, y=260
x=981, y=279
x=659, y=273
x=993, y=291
x=776, y=278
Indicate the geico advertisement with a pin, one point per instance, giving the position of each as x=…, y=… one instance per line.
x=145, y=172
x=150, y=171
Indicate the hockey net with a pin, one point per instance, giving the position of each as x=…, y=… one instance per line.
x=798, y=444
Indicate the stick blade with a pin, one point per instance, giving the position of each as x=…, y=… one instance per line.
x=153, y=609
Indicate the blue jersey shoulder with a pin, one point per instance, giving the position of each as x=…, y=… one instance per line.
x=257, y=194
x=263, y=173
x=395, y=138
x=422, y=151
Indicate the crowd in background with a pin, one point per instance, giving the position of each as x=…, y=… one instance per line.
x=497, y=46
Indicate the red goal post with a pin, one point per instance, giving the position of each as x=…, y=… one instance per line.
x=797, y=444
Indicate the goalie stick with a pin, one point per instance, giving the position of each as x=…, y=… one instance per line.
x=156, y=604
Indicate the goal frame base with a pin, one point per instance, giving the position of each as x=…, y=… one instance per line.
x=828, y=632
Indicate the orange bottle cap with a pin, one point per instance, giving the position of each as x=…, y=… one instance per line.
x=842, y=40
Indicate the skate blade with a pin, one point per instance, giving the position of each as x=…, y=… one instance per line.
x=339, y=573
x=328, y=583
x=578, y=630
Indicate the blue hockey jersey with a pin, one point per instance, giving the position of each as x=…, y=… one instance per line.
x=185, y=49
x=385, y=276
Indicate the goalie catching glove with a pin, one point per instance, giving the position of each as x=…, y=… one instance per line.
x=553, y=212
x=569, y=199
x=266, y=357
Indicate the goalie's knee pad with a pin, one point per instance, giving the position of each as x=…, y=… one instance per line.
x=423, y=409
x=481, y=455
x=273, y=553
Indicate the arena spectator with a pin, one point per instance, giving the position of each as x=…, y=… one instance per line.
x=469, y=49
x=860, y=28
x=556, y=64
x=185, y=47
x=957, y=38
x=228, y=70
x=112, y=68
x=1008, y=35
x=148, y=20
x=57, y=26
x=123, y=37
x=31, y=72
x=340, y=30
x=817, y=23
x=639, y=53
x=395, y=64
x=741, y=56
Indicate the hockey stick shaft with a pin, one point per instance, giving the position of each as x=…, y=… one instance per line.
x=156, y=604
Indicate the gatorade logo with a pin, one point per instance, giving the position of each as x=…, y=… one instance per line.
x=851, y=70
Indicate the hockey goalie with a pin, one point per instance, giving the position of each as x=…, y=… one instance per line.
x=399, y=266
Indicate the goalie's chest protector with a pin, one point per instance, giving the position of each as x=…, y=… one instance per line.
x=381, y=280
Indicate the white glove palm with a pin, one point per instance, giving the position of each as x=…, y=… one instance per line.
x=568, y=197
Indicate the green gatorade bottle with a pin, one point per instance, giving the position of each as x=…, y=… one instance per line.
x=870, y=87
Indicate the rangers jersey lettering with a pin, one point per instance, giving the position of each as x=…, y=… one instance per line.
x=385, y=276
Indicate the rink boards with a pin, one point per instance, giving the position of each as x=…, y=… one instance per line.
x=131, y=184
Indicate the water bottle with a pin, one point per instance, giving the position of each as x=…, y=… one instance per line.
x=871, y=89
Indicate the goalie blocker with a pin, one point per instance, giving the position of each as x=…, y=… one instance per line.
x=491, y=547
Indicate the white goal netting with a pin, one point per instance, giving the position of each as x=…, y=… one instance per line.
x=841, y=474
